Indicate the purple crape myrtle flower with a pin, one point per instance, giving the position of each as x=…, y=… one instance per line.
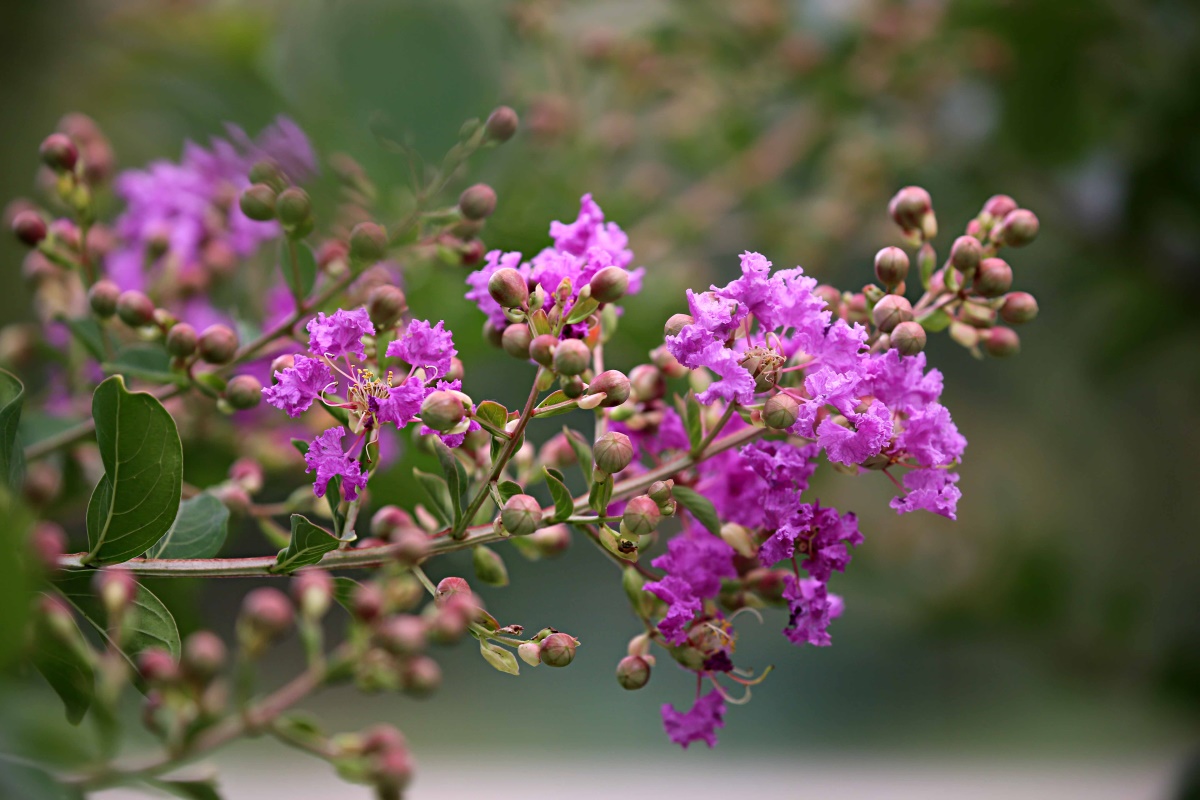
x=810, y=610
x=340, y=334
x=864, y=437
x=699, y=724
x=695, y=563
x=822, y=535
x=326, y=457
x=425, y=347
x=299, y=385
x=929, y=490
x=682, y=607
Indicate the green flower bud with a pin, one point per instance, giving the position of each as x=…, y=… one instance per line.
x=58, y=152
x=780, y=411
x=660, y=492
x=294, y=208
x=258, y=202
x=542, y=348
x=217, y=344
x=676, y=323
x=268, y=172
x=516, y=340
x=135, y=309
x=243, y=392
x=442, y=410
x=501, y=124
x=492, y=334
x=182, y=340
x=613, y=385
x=1019, y=307
x=641, y=516
x=1001, y=342
x=522, y=515
x=558, y=649
x=912, y=209
x=609, y=284
x=891, y=311
x=477, y=202
x=891, y=266
x=965, y=254
x=103, y=297
x=508, y=288
x=571, y=357
x=613, y=452
x=1019, y=228
x=489, y=566
x=908, y=338
x=386, y=304
x=633, y=672
x=994, y=277
x=368, y=242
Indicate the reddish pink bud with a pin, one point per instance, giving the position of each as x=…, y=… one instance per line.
x=116, y=588
x=516, y=340
x=508, y=288
x=477, y=202
x=609, y=284
x=58, y=152
x=501, y=124
x=998, y=206
x=182, y=340
x=542, y=347
x=135, y=309
x=633, y=672
x=29, y=227
x=613, y=385
x=401, y=635
x=647, y=383
x=421, y=676
x=641, y=516
x=267, y=611
x=203, y=656
x=367, y=601
x=891, y=266
x=1019, y=228
x=1019, y=307
x=451, y=586
x=48, y=542
x=218, y=344
x=908, y=338
x=156, y=665
x=891, y=311
x=247, y=473
x=1001, y=342
x=386, y=304
x=558, y=649
x=312, y=590
x=994, y=277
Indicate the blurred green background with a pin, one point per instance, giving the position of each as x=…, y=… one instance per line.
x=1059, y=615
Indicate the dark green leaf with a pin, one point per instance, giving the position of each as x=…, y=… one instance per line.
x=693, y=419
x=600, y=494
x=299, y=266
x=700, y=507
x=438, y=492
x=564, y=504
x=189, y=790
x=199, y=531
x=148, y=362
x=509, y=489
x=12, y=457
x=15, y=576
x=137, y=499
x=149, y=622
x=301, y=445
x=492, y=413
x=583, y=451
x=454, y=472
x=87, y=332
x=65, y=668
x=554, y=399
x=343, y=591
x=308, y=545
x=582, y=310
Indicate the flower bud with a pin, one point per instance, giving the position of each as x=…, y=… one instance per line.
x=103, y=297
x=1001, y=342
x=182, y=340
x=633, y=672
x=442, y=410
x=421, y=676
x=58, y=152
x=116, y=588
x=891, y=266
x=501, y=124
x=891, y=311
x=994, y=277
x=516, y=340
x=613, y=385
x=965, y=254
x=999, y=206
x=489, y=566
x=641, y=516
x=29, y=227
x=243, y=392
x=368, y=242
x=1019, y=228
x=739, y=538
x=386, y=304
x=646, y=383
x=267, y=612
x=283, y=362
x=1019, y=307
x=613, y=452
x=412, y=546
x=47, y=542
x=157, y=666
x=978, y=315
x=312, y=589
x=676, y=323
x=571, y=357
x=218, y=344
x=508, y=288
x=258, y=202
x=135, y=309
x=203, y=656
x=660, y=492
x=401, y=635
x=294, y=208
x=558, y=650
x=908, y=338
x=530, y=653
x=964, y=334
x=542, y=348
x=912, y=209
x=521, y=515
x=477, y=202
x=780, y=411
x=367, y=601
x=609, y=284
x=389, y=521
x=572, y=386
x=550, y=540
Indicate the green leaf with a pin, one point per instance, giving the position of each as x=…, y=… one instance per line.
x=301, y=446
x=199, y=531
x=343, y=591
x=564, y=504
x=693, y=419
x=454, y=472
x=582, y=310
x=557, y=397
x=137, y=499
x=540, y=323
x=498, y=657
x=926, y=261
x=700, y=507
x=583, y=451
x=308, y=545
x=12, y=457
x=509, y=489
x=16, y=579
x=189, y=790
x=935, y=321
x=438, y=492
x=301, y=275
x=149, y=621
x=64, y=667
x=87, y=332
x=600, y=495
x=492, y=413
x=147, y=362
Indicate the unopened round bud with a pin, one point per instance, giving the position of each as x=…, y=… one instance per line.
x=999, y=206
x=558, y=650
x=613, y=452
x=1001, y=342
x=831, y=296
x=965, y=254
x=994, y=277
x=203, y=655
x=493, y=334
x=268, y=172
x=47, y=542
x=218, y=344
x=182, y=340
x=116, y=588
x=633, y=672
x=530, y=653
x=58, y=152
x=243, y=392
x=891, y=311
x=978, y=315
x=367, y=601
x=910, y=208
x=258, y=202
x=908, y=338
x=156, y=665
x=780, y=411
x=521, y=515
x=442, y=410
x=550, y=540
x=508, y=288
x=609, y=284
x=571, y=357
x=368, y=242
x=386, y=304
x=1019, y=228
x=1019, y=307
x=412, y=546
x=477, y=202
x=401, y=635
x=103, y=297
x=267, y=611
x=660, y=492
x=421, y=676
x=613, y=385
x=389, y=521
x=312, y=589
x=891, y=266
x=135, y=309
x=542, y=348
x=572, y=386
x=641, y=516
x=501, y=124
x=516, y=340
x=283, y=362
x=294, y=208
x=676, y=323
x=647, y=383
x=29, y=227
